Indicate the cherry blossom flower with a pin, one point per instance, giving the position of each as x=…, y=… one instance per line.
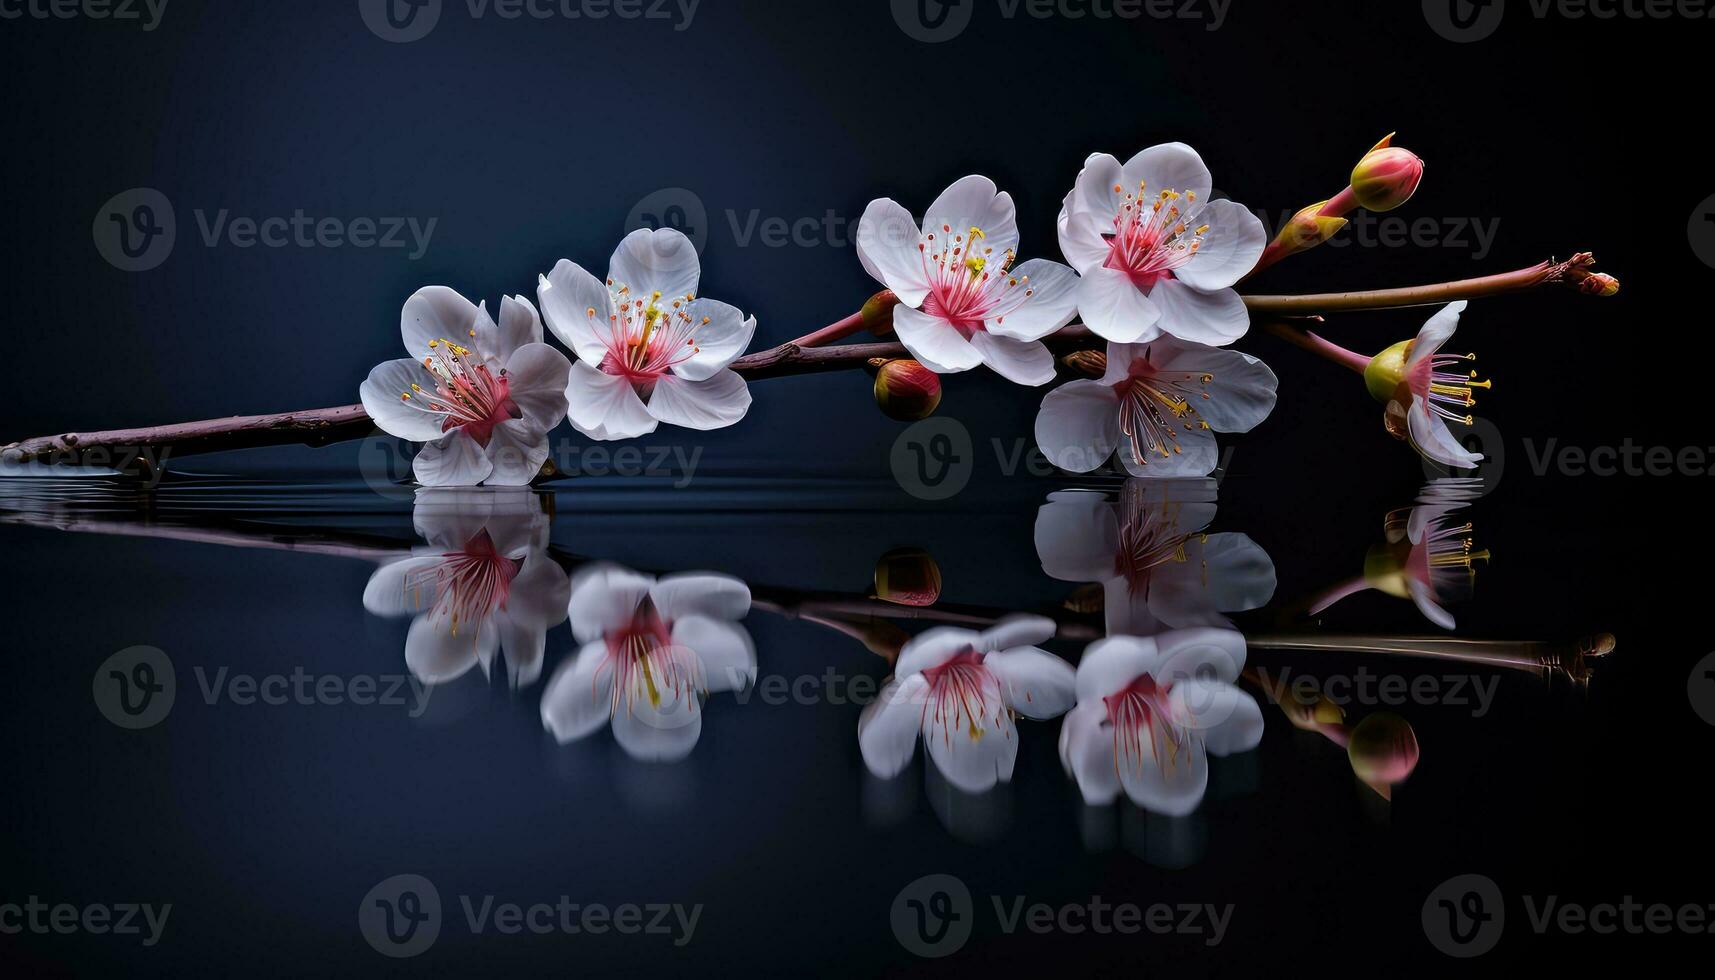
x=1149, y=713
x=1156, y=567
x=482, y=583
x=1154, y=253
x=960, y=690
x=649, y=349
x=481, y=396
x=1159, y=404
x=1422, y=395
x=962, y=301
x=652, y=651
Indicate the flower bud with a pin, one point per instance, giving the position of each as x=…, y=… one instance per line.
x=1599, y=284
x=877, y=313
x=1307, y=229
x=907, y=391
x=1383, y=750
x=1386, y=177
x=908, y=577
x=1092, y=363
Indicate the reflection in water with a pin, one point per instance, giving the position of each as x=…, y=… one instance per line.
x=1427, y=556
x=651, y=650
x=960, y=689
x=1150, y=710
x=1156, y=568
x=483, y=582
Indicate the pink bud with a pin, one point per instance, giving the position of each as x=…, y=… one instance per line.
x=908, y=577
x=907, y=391
x=1387, y=176
x=1383, y=750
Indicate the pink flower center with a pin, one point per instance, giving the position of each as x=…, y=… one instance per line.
x=1145, y=544
x=467, y=394
x=644, y=339
x=964, y=290
x=468, y=585
x=1155, y=405
x=1151, y=238
x=1138, y=708
x=960, y=691
x=1439, y=388
x=648, y=665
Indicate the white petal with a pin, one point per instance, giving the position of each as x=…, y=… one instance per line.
x=1167, y=167
x=1082, y=241
x=1436, y=331
x=435, y=654
x=1204, y=652
x=1423, y=597
x=1198, y=455
x=651, y=260
x=712, y=404
x=1114, y=308
x=605, y=406
x=1025, y=362
x=725, y=651
x=389, y=591
x=381, y=391
x=567, y=295
x=1163, y=778
x=519, y=325
x=436, y=313
x=1078, y=426
x=1087, y=752
x=1109, y=666
x=888, y=727
x=1226, y=719
x=1035, y=683
x=974, y=202
x=1052, y=303
x=1077, y=537
x=1229, y=251
x=1016, y=630
x=1093, y=192
x=604, y=598
x=719, y=342
x=523, y=647
x=540, y=592
x=659, y=733
x=887, y=245
x=537, y=375
x=1221, y=573
x=454, y=461
x=1216, y=318
x=1242, y=393
x=579, y=697
x=700, y=594
x=973, y=752
x=934, y=647
x=1433, y=439
x=516, y=451
x=934, y=341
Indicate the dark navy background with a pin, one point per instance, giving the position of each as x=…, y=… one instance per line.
x=531, y=141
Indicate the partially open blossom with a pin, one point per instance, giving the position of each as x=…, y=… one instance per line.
x=962, y=300
x=1424, y=390
x=652, y=651
x=960, y=690
x=481, y=396
x=649, y=349
x=1386, y=177
x=906, y=390
x=1154, y=562
x=1158, y=404
x=1428, y=555
x=1154, y=253
x=482, y=583
x=1150, y=711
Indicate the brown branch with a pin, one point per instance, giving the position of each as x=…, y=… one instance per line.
x=1574, y=273
x=143, y=451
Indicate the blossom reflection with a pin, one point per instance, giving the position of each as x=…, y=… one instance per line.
x=1428, y=555
x=1156, y=568
x=482, y=583
x=651, y=651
